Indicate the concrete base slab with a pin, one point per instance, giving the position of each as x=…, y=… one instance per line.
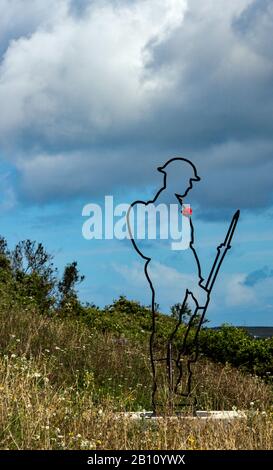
x=202, y=415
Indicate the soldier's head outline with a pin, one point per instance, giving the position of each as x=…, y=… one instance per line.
x=180, y=173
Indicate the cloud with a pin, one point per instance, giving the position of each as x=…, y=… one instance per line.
x=99, y=93
x=8, y=197
x=21, y=19
x=234, y=299
x=254, y=25
x=82, y=78
x=258, y=276
x=237, y=293
x=170, y=284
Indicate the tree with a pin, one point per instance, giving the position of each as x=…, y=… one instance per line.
x=5, y=265
x=185, y=311
x=34, y=273
x=27, y=275
x=29, y=256
x=186, y=314
x=68, y=299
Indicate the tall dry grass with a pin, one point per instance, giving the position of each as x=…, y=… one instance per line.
x=61, y=387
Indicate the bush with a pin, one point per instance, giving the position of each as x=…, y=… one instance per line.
x=237, y=347
x=28, y=277
x=28, y=280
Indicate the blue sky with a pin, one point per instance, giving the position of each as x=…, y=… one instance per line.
x=95, y=95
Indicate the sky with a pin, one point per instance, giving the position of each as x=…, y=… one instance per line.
x=95, y=95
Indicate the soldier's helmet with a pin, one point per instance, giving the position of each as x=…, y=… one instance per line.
x=179, y=168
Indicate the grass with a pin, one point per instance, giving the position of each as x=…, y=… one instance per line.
x=63, y=383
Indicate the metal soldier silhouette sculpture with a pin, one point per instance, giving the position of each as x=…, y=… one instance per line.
x=179, y=174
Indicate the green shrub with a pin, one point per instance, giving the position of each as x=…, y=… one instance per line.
x=237, y=347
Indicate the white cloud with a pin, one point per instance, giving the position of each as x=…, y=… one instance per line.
x=169, y=284
x=229, y=295
x=236, y=293
x=23, y=17
x=8, y=197
x=84, y=76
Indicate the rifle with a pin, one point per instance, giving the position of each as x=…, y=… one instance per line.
x=222, y=250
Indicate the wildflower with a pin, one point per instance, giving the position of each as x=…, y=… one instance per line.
x=36, y=375
x=13, y=356
x=192, y=442
x=251, y=403
x=86, y=444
